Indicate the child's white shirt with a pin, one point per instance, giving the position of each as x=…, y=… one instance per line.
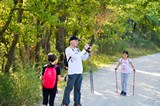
x=125, y=65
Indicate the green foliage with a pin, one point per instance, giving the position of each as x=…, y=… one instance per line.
x=27, y=88
x=7, y=93
x=89, y=65
x=136, y=52
x=110, y=45
x=21, y=88
x=139, y=42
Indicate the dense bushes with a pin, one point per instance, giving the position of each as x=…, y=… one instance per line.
x=7, y=93
x=20, y=88
x=110, y=45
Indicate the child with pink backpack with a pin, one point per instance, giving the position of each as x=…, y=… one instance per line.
x=50, y=76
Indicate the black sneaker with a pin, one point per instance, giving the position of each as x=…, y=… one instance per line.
x=63, y=104
x=78, y=104
x=122, y=93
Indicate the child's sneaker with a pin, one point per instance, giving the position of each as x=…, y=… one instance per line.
x=63, y=104
x=122, y=93
x=78, y=104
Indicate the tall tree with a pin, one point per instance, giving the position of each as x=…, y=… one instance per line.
x=10, y=54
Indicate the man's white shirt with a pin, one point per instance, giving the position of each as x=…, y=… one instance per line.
x=75, y=65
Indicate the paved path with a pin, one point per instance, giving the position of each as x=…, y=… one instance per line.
x=147, y=89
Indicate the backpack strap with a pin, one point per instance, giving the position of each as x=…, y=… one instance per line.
x=121, y=60
x=129, y=60
x=55, y=66
x=70, y=56
x=68, y=59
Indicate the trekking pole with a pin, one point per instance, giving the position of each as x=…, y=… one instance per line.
x=90, y=63
x=133, y=81
x=91, y=77
x=116, y=81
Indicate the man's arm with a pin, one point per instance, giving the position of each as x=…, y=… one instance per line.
x=71, y=53
x=85, y=56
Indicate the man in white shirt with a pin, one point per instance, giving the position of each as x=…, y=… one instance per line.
x=75, y=70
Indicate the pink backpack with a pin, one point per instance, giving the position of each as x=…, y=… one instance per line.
x=50, y=77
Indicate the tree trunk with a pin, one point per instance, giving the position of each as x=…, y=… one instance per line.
x=27, y=49
x=60, y=39
x=46, y=41
x=37, y=52
x=60, y=44
x=38, y=45
x=3, y=63
x=10, y=54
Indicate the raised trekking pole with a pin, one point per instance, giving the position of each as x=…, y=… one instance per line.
x=90, y=63
x=91, y=78
x=133, y=81
x=116, y=81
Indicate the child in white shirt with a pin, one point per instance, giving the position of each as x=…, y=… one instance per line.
x=126, y=64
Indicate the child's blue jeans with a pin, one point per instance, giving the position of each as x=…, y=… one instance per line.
x=124, y=78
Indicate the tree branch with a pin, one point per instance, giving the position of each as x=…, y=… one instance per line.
x=7, y=23
x=9, y=20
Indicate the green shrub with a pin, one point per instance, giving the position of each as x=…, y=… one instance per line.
x=27, y=89
x=7, y=93
x=111, y=46
x=21, y=88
